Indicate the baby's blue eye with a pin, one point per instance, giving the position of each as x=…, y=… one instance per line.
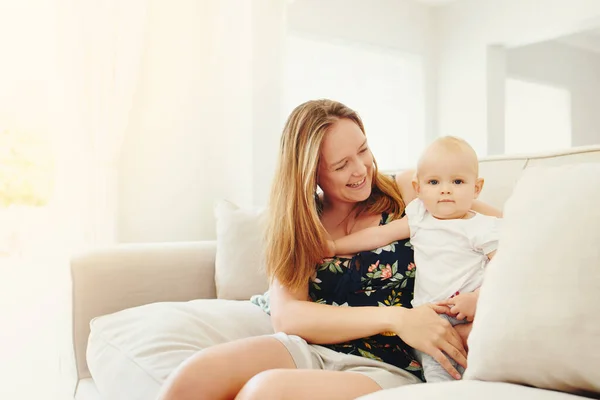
x=458, y=181
x=433, y=182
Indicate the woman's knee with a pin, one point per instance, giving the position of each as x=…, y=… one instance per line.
x=195, y=377
x=266, y=385
x=220, y=372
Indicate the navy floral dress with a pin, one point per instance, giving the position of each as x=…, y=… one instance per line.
x=382, y=277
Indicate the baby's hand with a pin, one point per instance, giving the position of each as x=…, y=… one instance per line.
x=462, y=306
x=330, y=248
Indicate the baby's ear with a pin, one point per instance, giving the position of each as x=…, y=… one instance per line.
x=416, y=186
x=478, y=187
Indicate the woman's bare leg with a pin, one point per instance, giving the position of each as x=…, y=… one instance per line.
x=220, y=372
x=282, y=384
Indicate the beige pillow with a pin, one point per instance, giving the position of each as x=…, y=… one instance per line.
x=537, y=320
x=239, y=263
x=131, y=352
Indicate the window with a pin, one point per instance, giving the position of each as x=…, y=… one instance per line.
x=384, y=86
x=538, y=117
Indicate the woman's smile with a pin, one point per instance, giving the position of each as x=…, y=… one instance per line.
x=358, y=184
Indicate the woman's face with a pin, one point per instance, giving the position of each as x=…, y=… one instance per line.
x=345, y=169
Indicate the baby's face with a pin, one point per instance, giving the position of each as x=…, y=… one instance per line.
x=448, y=184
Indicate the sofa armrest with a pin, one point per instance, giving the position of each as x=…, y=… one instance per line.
x=124, y=276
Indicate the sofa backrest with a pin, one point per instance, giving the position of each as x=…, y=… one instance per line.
x=502, y=172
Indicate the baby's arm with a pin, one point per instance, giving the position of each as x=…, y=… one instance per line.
x=370, y=238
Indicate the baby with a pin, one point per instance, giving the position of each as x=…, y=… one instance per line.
x=452, y=243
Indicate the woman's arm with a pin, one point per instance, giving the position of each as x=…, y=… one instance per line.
x=294, y=314
x=404, y=182
x=372, y=238
x=420, y=327
x=486, y=209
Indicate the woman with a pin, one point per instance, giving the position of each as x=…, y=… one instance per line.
x=353, y=350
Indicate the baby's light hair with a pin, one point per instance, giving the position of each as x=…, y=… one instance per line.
x=450, y=144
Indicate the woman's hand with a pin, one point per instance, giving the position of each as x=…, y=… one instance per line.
x=424, y=330
x=464, y=330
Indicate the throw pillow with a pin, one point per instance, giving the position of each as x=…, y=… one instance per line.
x=537, y=321
x=132, y=352
x=239, y=265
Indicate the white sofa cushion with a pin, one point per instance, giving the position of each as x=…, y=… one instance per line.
x=500, y=178
x=239, y=263
x=468, y=390
x=130, y=353
x=537, y=320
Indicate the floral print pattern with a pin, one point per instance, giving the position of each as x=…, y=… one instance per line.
x=382, y=277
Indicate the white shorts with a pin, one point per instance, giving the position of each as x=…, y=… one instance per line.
x=312, y=356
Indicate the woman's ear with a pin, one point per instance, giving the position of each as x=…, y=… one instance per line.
x=478, y=187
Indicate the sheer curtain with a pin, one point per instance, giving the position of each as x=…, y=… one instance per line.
x=101, y=44
x=28, y=362
x=68, y=75
x=72, y=71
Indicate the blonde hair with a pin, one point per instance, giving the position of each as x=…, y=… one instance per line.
x=450, y=144
x=295, y=237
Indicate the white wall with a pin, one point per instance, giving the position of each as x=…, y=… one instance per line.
x=206, y=122
x=401, y=25
x=465, y=30
x=574, y=69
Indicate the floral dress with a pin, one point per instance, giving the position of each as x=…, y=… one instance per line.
x=382, y=277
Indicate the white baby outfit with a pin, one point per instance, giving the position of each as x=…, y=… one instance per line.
x=450, y=256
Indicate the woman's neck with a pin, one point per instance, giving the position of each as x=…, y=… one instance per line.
x=337, y=208
x=338, y=215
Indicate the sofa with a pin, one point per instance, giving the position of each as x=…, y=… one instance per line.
x=141, y=309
